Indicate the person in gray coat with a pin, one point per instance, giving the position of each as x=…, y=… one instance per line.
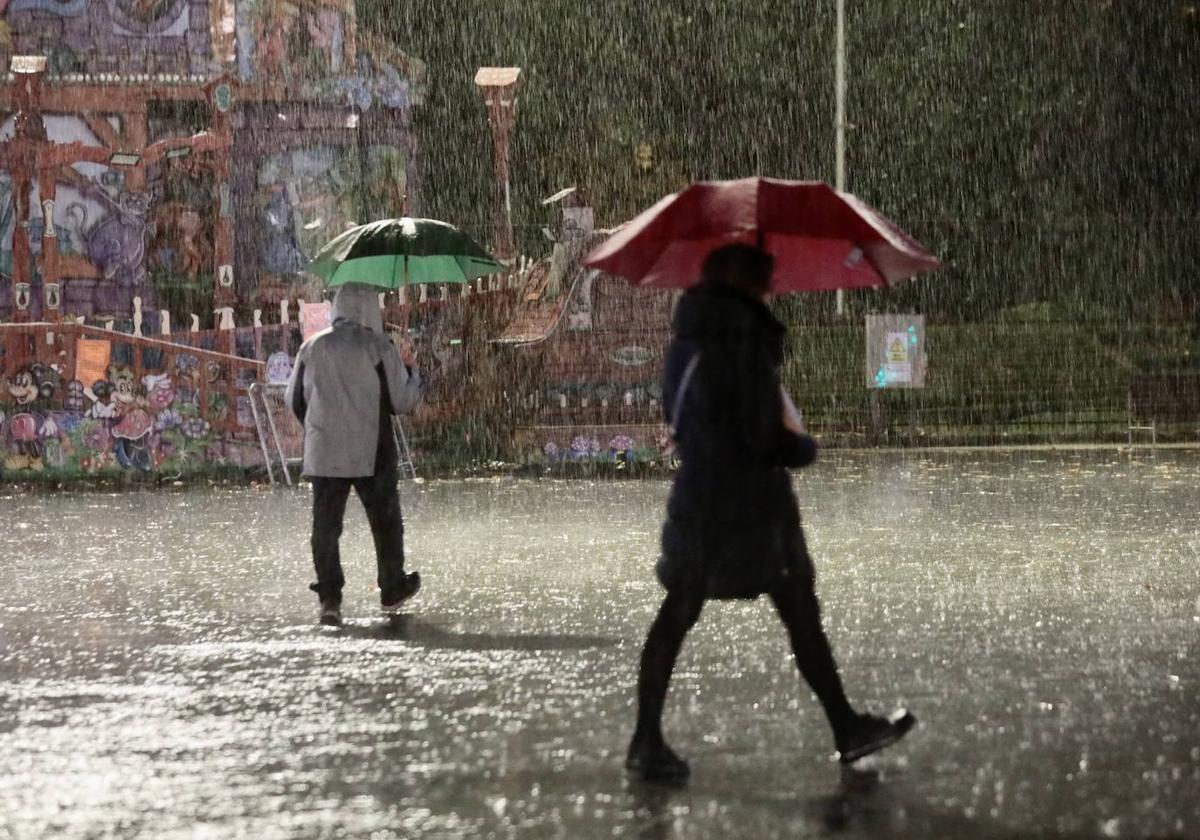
x=347, y=382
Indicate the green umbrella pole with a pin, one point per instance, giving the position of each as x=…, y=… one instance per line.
x=407, y=302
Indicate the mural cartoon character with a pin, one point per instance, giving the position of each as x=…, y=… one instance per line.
x=181, y=242
x=194, y=252
x=117, y=243
x=101, y=394
x=279, y=368
x=271, y=33
x=187, y=369
x=134, y=425
x=31, y=390
x=281, y=252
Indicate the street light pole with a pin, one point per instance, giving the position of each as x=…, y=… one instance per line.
x=840, y=127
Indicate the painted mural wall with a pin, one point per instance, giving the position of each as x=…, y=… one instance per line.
x=594, y=391
x=119, y=421
x=86, y=401
x=110, y=36
x=298, y=181
x=97, y=221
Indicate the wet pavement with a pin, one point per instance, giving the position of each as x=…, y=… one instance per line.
x=162, y=675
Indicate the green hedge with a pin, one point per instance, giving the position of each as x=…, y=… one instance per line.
x=1022, y=372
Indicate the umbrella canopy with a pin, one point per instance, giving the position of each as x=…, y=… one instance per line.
x=821, y=239
x=391, y=253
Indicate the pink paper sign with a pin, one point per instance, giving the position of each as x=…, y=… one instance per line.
x=314, y=318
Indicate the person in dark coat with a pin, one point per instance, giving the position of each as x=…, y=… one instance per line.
x=733, y=525
x=348, y=381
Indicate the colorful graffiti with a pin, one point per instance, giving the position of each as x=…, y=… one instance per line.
x=154, y=423
x=647, y=444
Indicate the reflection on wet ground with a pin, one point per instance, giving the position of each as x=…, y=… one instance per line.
x=162, y=674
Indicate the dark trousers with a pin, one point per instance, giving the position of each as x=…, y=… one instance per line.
x=796, y=603
x=381, y=499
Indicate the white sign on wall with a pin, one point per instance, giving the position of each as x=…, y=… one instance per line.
x=895, y=351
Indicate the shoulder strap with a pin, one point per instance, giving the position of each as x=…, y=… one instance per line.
x=684, y=381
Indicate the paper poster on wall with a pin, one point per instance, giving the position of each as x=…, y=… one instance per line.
x=279, y=368
x=92, y=356
x=897, y=370
x=314, y=317
x=896, y=356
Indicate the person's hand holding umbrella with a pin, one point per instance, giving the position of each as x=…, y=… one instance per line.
x=407, y=353
x=793, y=420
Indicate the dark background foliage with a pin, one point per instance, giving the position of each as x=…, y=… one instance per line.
x=1047, y=150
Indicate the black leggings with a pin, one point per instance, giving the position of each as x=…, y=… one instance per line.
x=794, y=600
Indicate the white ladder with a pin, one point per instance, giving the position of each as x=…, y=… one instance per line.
x=406, y=464
x=261, y=406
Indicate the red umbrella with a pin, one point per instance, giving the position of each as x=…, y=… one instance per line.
x=821, y=239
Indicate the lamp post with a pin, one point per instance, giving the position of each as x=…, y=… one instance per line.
x=840, y=120
x=499, y=86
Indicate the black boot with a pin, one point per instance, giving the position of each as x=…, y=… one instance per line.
x=656, y=763
x=865, y=734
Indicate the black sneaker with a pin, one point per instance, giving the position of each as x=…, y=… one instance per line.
x=656, y=764
x=331, y=613
x=412, y=585
x=871, y=733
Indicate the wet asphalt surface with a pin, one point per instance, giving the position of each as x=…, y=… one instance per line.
x=162, y=674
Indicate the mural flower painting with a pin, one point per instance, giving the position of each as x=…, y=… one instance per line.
x=160, y=392
x=96, y=437
x=195, y=428
x=621, y=443
x=168, y=419
x=582, y=446
x=218, y=406
x=98, y=461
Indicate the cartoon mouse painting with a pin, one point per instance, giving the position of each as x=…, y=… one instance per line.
x=31, y=390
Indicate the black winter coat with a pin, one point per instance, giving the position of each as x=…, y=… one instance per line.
x=733, y=526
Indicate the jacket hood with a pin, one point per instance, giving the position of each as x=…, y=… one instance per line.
x=708, y=313
x=359, y=303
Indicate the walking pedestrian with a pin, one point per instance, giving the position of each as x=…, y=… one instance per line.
x=348, y=381
x=733, y=526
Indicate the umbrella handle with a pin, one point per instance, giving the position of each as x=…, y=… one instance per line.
x=407, y=303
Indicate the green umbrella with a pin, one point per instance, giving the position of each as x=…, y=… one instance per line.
x=391, y=253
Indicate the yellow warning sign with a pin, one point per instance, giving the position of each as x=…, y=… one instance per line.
x=897, y=348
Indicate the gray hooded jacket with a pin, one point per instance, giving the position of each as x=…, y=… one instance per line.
x=347, y=379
